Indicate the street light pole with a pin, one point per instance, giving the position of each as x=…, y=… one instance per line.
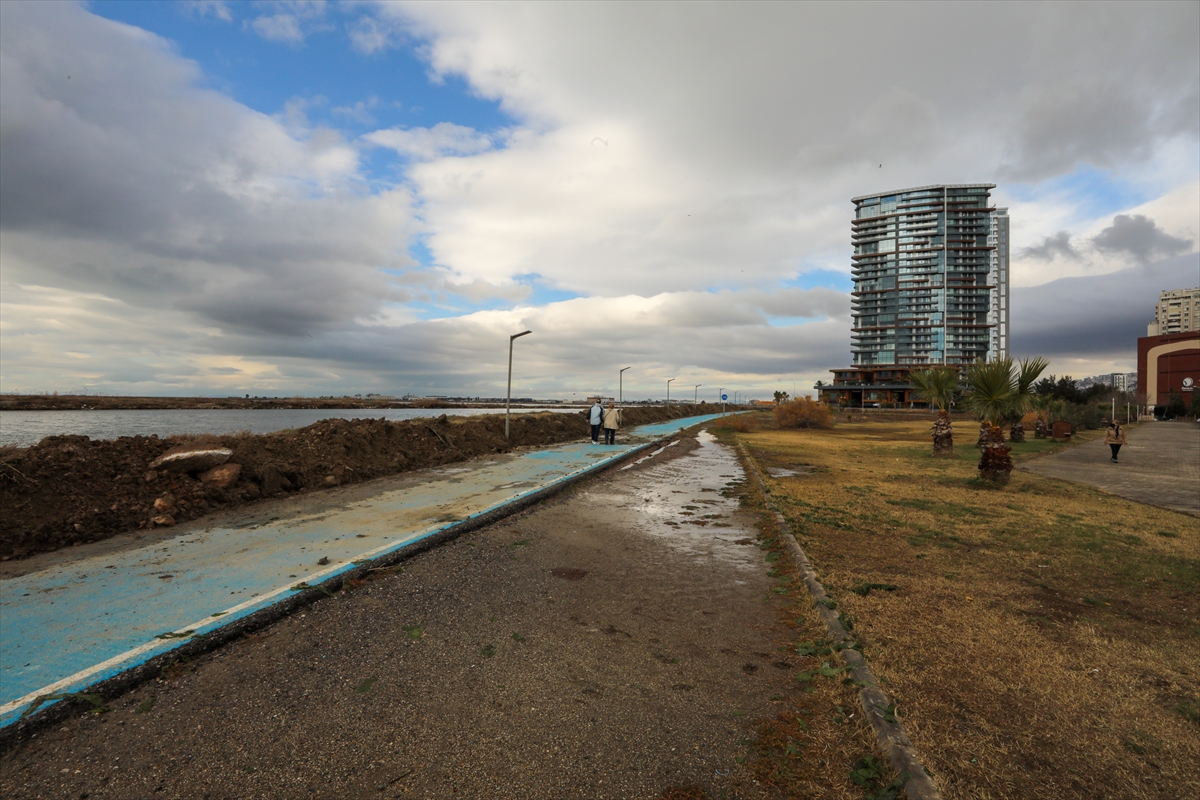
x=721, y=397
x=669, y=394
x=508, y=395
x=621, y=386
x=696, y=393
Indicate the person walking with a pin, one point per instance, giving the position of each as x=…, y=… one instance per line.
x=1114, y=437
x=595, y=419
x=612, y=421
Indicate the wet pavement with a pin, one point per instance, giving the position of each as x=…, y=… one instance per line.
x=1160, y=466
x=70, y=625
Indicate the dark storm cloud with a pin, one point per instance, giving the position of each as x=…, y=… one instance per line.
x=1056, y=246
x=1138, y=236
x=1096, y=315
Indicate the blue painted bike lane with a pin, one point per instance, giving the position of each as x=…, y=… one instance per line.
x=74, y=625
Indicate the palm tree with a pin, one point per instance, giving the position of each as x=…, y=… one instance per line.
x=993, y=394
x=1027, y=375
x=938, y=386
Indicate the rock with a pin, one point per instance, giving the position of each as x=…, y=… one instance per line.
x=151, y=476
x=323, y=560
x=331, y=480
x=222, y=476
x=191, y=458
x=164, y=520
x=78, y=528
x=165, y=504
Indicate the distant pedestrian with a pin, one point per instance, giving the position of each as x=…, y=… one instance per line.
x=595, y=419
x=612, y=421
x=1114, y=437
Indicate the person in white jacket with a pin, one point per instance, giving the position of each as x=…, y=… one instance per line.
x=595, y=418
x=612, y=421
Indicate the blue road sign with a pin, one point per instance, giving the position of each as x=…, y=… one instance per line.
x=724, y=397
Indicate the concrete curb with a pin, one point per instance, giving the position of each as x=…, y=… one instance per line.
x=112, y=687
x=889, y=735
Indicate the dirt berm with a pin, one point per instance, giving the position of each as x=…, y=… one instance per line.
x=69, y=490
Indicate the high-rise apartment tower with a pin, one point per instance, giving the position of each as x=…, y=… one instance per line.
x=930, y=277
x=1178, y=311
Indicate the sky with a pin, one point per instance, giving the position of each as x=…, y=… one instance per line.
x=314, y=198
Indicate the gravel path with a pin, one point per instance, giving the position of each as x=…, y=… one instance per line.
x=612, y=643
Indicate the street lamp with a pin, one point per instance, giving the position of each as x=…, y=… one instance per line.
x=721, y=397
x=508, y=396
x=621, y=386
x=696, y=393
x=669, y=394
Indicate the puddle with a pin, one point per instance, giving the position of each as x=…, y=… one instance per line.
x=798, y=471
x=681, y=504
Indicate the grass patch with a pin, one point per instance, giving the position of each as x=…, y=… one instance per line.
x=1043, y=619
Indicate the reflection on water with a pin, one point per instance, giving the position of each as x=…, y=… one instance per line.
x=683, y=503
x=25, y=428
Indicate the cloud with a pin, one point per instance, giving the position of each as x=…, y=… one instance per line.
x=133, y=181
x=1140, y=237
x=213, y=8
x=1095, y=317
x=442, y=140
x=292, y=22
x=675, y=171
x=1056, y=246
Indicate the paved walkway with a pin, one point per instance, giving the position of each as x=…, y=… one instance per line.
x=74, y=624
x=1160, y=466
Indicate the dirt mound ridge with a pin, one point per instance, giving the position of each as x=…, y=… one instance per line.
x=68, y=490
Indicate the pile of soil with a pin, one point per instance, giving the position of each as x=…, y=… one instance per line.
x=69, y=490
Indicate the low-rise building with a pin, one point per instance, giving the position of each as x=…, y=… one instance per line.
x=1168, y=364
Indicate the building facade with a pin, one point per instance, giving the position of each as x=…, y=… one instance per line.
x=931, y=277
x=1168, y=364
x=1178, y=311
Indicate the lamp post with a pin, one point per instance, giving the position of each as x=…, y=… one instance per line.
x=720, y=396
x=696, y=393
x=621, y=386
x=508, y=396
x=669, y=394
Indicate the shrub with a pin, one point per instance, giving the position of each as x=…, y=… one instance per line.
x=1083, y=416
x=803, y=413
x=739, y=424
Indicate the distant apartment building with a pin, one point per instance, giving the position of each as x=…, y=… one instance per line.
x=931, y=277
x=1178, y=311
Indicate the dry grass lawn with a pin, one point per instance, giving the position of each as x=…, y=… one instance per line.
x=1042, y=639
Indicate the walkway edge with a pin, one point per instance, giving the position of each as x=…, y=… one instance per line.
x=119, y=684
x=889, y=735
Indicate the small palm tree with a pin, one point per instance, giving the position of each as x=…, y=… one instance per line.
x=938, y=387
x=1027, y=375
x=993, y=395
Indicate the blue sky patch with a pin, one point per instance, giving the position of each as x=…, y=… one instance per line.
x=339, y=87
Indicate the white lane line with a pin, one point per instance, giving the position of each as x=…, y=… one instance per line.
x=82, y=675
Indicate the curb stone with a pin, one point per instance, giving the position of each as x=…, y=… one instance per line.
x=889, y=735
x=117, y=685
